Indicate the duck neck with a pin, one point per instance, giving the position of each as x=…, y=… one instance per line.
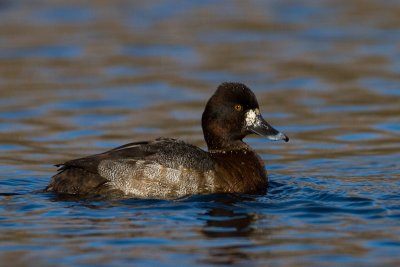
x=217, y=143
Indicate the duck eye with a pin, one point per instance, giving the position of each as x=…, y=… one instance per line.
x=238, y=107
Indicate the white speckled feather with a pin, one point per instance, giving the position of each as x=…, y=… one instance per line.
x=148, y=179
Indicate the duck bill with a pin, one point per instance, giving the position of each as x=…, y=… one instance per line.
x=255, y=123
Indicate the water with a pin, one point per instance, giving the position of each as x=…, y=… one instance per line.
x=80, y=78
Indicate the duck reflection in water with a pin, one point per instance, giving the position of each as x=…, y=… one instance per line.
x=224, y=221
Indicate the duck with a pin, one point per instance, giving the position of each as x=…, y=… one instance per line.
x=167, y=168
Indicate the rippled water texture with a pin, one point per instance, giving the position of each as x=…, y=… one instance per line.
x=80, y=77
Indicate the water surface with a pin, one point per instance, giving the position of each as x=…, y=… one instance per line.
x=80, y=78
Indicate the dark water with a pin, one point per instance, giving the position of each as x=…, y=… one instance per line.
x=80, y=77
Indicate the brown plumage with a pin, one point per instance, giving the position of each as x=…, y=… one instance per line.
x=169, y=168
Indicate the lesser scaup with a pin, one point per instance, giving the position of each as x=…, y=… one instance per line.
x=169, y=168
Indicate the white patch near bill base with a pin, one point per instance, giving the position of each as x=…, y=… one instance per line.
x=251, y=117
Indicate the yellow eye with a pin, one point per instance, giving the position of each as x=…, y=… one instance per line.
x=238, y=107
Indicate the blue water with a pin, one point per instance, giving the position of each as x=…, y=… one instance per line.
x=78, y=79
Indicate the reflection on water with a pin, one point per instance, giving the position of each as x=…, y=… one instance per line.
x=79, y=78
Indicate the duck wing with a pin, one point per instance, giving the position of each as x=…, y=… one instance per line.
x=97, y=173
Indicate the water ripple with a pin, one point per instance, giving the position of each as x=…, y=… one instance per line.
x=77, y=79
